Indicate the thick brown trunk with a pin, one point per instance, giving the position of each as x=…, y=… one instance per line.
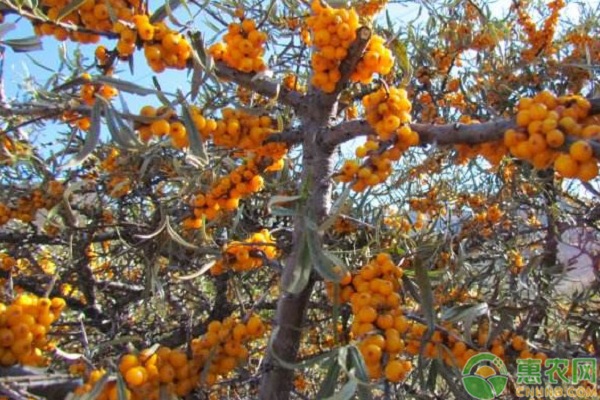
x=277, y=380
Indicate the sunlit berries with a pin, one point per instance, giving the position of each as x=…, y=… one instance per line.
x=247, y=255
x=243, y=47
x=551, y=131
x=377, y=59
x=24, y=325
x=333, y=31
x=388, y=113
x=157, y=370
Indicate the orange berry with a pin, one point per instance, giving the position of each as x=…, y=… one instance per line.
x=160, y=127
x=136, y=376
x=127, y=362
x=581, y=151
x=588, y=170
x=394, y=371
x=367, y=314
x=371, y=353
x=555, y=138
x=566, y=166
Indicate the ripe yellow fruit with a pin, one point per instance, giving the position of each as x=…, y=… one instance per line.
x=588, y=170
x=581, y=151
x=136, y=376
x=566, y=166
x=395, y=371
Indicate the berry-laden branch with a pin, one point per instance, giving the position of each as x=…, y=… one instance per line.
x=446, y=134
x=348, y=65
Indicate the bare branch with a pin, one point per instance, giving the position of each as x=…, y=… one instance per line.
x=289, y=136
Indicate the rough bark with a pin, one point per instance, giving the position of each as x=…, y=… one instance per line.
x=277, y=381
x=316, y=186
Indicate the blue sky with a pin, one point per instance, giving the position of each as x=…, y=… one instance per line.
x=18, y=66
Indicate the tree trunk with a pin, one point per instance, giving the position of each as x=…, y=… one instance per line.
x=277, y=381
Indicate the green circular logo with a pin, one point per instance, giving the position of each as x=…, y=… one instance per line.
x=488, y=380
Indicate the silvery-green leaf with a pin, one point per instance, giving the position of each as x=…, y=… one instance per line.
x=125, y=86
x=197, y=147
x=69, y=8
x=23, y=45
x=91, y=140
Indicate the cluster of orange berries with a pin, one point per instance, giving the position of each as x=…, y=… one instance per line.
x=388, y=112
x=119, y=183
x=246, y=255
x=377, y=59
x=224, y=346
x=397, y=222
x=164, y=123
x=93, y=15
x=24, y=325
x=545, y=125
x=378, y=320
x=493, y=152
x=343, y=225
x=152, y=371
x=26, y=206
x=371, y=7
x=243, y=48
x=333, y=31
x=89, y=91
x=290, y=82
x=163, y=47
x=226, y=194
x=239, y=129
x=7, y=263
x=539, y=39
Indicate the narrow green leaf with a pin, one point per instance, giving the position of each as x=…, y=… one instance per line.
x=302, y=269
x=23, y=45
x=159, y=92
x=92, y=139
x=205, y=268
x=197, y=147
x=330, y=382
x=330, y=267
x=170, y=14
x=178, y=239
x=69, y=8
x=125, y=86
x=97, y=388
x=161, y=227
x=464, y=312
x=279, y=199
x=5, y=28
x=335, y=210
x=161, y=12
x=118, y=129
x=426, y=294
x=121, y=388
x=346, y=392
x=358, y=363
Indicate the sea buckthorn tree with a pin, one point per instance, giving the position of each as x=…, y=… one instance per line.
x=294, y=199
